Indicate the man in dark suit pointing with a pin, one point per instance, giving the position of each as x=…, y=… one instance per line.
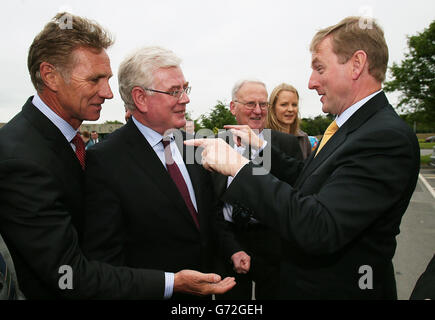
x=42, y=159
x=339, y=221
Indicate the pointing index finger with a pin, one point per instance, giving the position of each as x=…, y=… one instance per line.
x=195, y=142
x=234, y=126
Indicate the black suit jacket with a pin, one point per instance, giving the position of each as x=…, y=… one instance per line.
x=345, y=209
x=425, y=287
x=135, y=214
x=285, y=143
x=41, y=216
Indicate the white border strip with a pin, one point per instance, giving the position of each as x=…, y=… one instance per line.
x=427, y=185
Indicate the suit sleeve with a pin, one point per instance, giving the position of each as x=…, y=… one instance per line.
x=291, y=147
x=285, y=166
x=35, y=222
x=103, y=237
x=367, y=180
x=282, y=149
x=425, y=286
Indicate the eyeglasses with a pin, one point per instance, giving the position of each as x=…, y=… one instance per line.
x=252, y=104
x=176, y=94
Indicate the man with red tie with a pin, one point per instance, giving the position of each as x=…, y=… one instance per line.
x=42, y=162
x=146, y=205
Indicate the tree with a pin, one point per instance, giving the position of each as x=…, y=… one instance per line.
x=218, y=117
x=415, y=76
x=316, y=126
x=113, y=122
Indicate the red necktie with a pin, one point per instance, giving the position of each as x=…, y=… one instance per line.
x=176, y=175
x=80, y=149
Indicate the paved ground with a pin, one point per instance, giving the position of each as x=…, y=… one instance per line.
x=425, y=152
x=416, y=241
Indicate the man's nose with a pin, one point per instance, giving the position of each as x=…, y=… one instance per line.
x=105, y=91
x=184, y=99
x=312, y=83
x=257, y=108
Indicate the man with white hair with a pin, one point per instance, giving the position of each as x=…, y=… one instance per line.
x=146, y=206
x=250, y=248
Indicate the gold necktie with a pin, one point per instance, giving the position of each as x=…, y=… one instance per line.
x=327, y=135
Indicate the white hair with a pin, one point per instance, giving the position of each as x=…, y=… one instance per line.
x=137, y=70
x=239, y=84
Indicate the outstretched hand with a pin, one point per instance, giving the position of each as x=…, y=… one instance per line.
x=246, y=134
x=219, y=156
x=197, y=283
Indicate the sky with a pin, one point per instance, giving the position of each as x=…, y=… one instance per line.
x=219, y=42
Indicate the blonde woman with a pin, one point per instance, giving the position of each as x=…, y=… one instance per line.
x=284, y=116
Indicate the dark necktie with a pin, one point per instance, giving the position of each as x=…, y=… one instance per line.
x=80, y=149
x=6, y=279
x=177, y=177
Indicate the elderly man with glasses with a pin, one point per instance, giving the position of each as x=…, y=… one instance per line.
x=250, y=250
x=146, y=205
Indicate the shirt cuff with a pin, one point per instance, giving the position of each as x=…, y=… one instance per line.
x=255, y=153
x=169, y=285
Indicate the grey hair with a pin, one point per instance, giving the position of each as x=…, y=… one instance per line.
x=240, y=84
x=137, y=70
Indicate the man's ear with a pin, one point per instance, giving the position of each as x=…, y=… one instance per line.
x=233, y=108
x=140, y=99
x=50, y=76
x=359, y=63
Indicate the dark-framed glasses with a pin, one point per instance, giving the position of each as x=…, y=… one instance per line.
x=175, y=93
x=252, y=104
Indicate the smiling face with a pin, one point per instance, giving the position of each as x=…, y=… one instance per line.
x=254, y=118
x=81, y=95
x=331, y=79
x=287, y=107
x=164, y=111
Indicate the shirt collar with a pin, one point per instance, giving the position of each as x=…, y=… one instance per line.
x=153, y=137
x=67, y=130
x=342, y=118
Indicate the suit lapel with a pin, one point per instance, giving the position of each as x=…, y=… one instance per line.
x=64, y=163
x=194, y=170
x=55, y=140
x=352, y=124
x=334, y=142
x=147, y=159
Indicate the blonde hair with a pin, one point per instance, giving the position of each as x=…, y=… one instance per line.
x=57, y=41
x=349, y=36
x=272, y=121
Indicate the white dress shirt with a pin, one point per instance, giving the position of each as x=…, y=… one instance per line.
x=67, y=130
x=342, y=118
